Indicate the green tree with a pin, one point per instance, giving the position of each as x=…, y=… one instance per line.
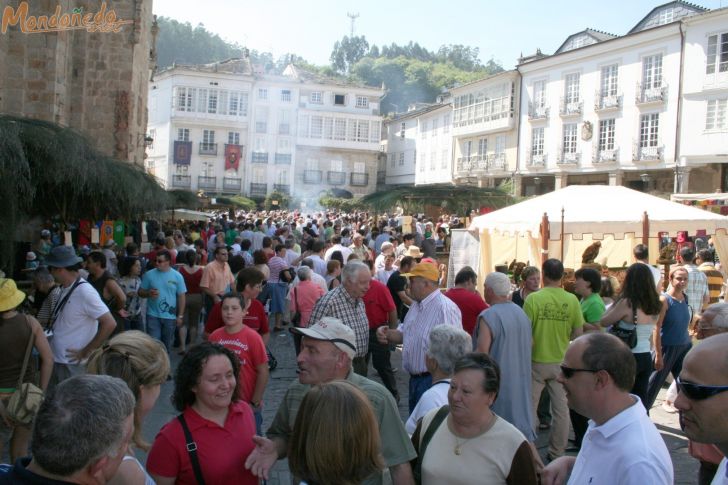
x=347, y=52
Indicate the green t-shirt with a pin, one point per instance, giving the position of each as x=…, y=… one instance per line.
x=554, y=313
x=592, y=308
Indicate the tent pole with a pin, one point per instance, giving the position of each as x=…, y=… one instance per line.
x=645, y=229
x=544, y=238
x=562, y=234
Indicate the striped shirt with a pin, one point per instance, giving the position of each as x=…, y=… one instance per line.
x=697, y=288
x=715, y=281
x=422, y=317
x=276, y=264
x=337, y=303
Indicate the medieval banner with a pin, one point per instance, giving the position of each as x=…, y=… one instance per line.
x=232, y=156
x=182, y=152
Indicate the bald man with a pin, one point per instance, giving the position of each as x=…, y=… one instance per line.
x=703, y=397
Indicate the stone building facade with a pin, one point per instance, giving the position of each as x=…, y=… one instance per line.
x=89, y=79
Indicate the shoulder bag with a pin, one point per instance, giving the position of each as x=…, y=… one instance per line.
x=25, y=401
x=421, y=446
x=626, y=332
x=192, y=450
x=296, y=318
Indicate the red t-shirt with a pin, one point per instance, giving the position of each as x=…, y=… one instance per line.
x=249, y=348
x=255, y=319
x=470, y=305
x=221, y=451
x=378, y=303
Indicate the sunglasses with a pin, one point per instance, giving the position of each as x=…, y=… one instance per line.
x=697, y=392
x=570, y=371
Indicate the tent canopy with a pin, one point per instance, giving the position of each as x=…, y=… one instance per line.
x=612, y=214
x=598, y=210
x=186, y=215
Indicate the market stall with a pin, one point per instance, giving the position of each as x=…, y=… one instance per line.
x=565, y=222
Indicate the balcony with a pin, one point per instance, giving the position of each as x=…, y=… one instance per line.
x=204, y=182
x=568, y=158
x=359, y=179
x=536, y=113
x=648, y=153
x=283, y=158
x=647, y=95
x=260, y=157
x=232, y=184
x=261, y=127
x=284, y=129
x=208, y=149
x=607, y=102
x=336, y=178
x=182, y=181
x=258, y=190
x=496, y=161
x=536, y=160
x=282, y=188
x=480, y=163
x=605, y=156
x=312, y=176
x=570, y=108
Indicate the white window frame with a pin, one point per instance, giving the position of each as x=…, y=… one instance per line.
x=500, y=144
x=610, y=80
x=340, y=129
x=717, y=53
x=317, y=127
x=362, y=102
x=183, y=134
x=262, y=94
x=649, y=130
x=402, y=129
x=652, y=71
x=572, y=82
x=401, y=159
x=482, y=147
x=392, y=160
x=569, y=142
x=537, y=141
x=208, y=137
x=607, y=130
x=360, y=167
x=316, y=97
x=233, y=138
x=666, y=16
x=716, y=114
x=337, y=165
x=286, y=95
x=312, y=164
x=539, y=94
x=212, y=99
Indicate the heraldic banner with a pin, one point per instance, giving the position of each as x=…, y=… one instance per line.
x=232, y=157
x=182, y=152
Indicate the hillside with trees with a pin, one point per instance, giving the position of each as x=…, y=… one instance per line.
x=409, y=73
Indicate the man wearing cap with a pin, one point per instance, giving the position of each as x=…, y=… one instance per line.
x=80, y=321
x=429, y=308
x=345, y=303
x=327, y=349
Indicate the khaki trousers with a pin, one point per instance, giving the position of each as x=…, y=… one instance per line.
x=544, y=375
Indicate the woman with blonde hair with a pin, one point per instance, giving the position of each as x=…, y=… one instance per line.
x=335, y=438
x=141, y=362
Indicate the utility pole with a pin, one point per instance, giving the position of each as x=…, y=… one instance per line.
x=353, y=17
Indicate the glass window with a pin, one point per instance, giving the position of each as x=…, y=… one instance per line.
x=610, y=80
x=401, y=158
x=359, y=167
x=717, y=53
x=571, y=83
x=337, y=166
x=233, y=138
x=339, y=99
x=482, y=146
x=652, y=71
x=212, y=101
x=606, y=134
x=339, y=129
x=262, y=93
x=500, y=144
x=539, y=94
x=286, y=95
x=649, y=128
x=362, y=102
x=715, y=118
x=316, y=97
x=317, y=126
x=183, y=134
x=537, y=136
x=570, y=138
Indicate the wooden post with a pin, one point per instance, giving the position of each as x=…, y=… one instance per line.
x=645, y=229
x=545, y=238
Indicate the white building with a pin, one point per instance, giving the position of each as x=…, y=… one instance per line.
x=485, y=124
x=604, y=109
x=434, y=146
x=703, y=145
x=338, y=137
x=401, y=147
x=199, y=110
x=222, y=129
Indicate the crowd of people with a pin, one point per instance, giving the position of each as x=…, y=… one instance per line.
x=484, y=372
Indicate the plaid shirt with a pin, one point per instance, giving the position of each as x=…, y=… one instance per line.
x=337, y=303
x=697, y=288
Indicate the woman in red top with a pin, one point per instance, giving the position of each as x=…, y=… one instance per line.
x=222, y=426
x=192, y=274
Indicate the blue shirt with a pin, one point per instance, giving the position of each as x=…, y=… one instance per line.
x=170, y=284
x=675, y=325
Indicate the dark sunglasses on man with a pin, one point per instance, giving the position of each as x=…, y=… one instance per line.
x=698, y=392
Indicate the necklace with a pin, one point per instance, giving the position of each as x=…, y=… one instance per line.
x=459, y=445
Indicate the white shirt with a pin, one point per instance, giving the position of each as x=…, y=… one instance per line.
x=721, y=476
x=77, y=323
x=627, y=450
x=319, y=265
x=291, y=256
x=433, y=398
x=345, y=252
x=383, y=275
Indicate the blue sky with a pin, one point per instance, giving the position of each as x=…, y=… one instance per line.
x=502, y=30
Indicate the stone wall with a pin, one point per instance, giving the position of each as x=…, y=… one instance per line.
x=95, y=82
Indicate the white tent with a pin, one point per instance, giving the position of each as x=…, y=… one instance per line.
x=611, y=214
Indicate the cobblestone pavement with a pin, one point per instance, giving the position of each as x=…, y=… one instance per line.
x=281, y=344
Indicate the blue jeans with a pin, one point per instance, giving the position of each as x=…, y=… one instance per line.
x=258, y=415
x=161, y=329
x=417, y=387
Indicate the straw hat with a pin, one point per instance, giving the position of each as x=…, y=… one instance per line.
x=10, y=296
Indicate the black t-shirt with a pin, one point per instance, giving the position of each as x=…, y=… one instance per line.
x=397, y=283
x=20, y=475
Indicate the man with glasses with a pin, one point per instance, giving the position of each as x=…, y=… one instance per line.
x=621, y=444
x=165, y=289
x=703, y=390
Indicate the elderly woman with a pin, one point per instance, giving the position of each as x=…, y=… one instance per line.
x=336, y=436
x=447, y=345
x=470, y=443
x=213, y=416
x=303, y=298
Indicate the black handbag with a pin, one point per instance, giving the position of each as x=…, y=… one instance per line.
x=626, y=332
x=296, y=318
